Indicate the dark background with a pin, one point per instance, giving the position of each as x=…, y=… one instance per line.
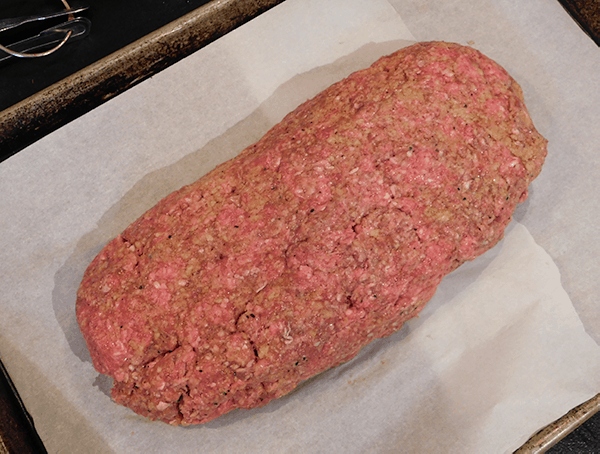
x=115, y=24
x=583, y=440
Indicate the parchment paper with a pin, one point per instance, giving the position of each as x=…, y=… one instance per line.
x=501, y=350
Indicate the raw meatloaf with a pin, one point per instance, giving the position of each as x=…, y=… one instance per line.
x=329, y=232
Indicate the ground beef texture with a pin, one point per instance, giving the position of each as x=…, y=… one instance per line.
x=332, y=230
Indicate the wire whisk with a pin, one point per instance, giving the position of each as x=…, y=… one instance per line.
x=56, y=36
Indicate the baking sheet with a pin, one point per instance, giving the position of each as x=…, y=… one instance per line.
x=472, y=374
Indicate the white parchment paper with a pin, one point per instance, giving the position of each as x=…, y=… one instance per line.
x=508, y=343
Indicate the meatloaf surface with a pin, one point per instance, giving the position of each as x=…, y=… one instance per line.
x=331, y=231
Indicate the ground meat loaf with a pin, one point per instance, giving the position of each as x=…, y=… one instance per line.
x=331, y=231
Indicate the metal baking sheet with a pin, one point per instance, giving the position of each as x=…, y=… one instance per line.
x=550, y=435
